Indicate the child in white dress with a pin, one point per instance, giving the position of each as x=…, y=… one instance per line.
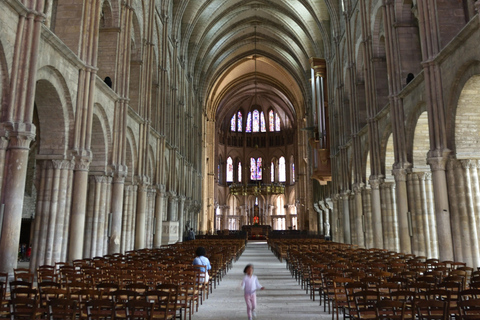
x=250, y=285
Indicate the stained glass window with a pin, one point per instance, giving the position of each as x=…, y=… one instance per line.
x=239, y=121
x=253, y=169
x=256, y=121
x=277, y=122
x=229, y=169
x=232, y=124
x=271, y=121
x=262, y=122
x=293, y=172
x=281, y=170
x=272, y=172
x=249, y=123
x=259, y=169
x=239, y=172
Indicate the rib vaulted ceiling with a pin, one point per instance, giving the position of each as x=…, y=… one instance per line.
x=242, y=51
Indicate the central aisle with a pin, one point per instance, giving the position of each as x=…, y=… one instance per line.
x=282, y=298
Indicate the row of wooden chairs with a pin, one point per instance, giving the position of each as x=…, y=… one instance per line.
x=136, y=273
x=332, y=269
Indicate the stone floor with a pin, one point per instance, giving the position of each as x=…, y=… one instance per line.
x=282, y=298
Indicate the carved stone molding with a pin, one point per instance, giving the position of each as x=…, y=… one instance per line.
x=375, y=183
x=63, y=164
x=82, y=164
x=358, y=187
x=400, y=174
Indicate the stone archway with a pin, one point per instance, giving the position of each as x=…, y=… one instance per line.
x=51, y=169
x=463, y=175
x=420, y=193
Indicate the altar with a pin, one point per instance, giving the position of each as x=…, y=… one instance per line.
x=257, y=231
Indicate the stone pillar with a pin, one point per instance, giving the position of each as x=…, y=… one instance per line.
x=79, y=200
x=328, y=218
x=442, y=214
x=415, y=198
x=172, y=204
x=319, y=218
x=159, y=214
x=367, y=217
x=347, y=235
x=376, y=213
x=359, y=217
x=181, y=217
x=141, y=217
x=389, y=217
x=401, y=201
x=337, y=235
x=114, y=242
x=125, y=219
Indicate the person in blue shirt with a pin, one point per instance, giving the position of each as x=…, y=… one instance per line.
x=201, y=260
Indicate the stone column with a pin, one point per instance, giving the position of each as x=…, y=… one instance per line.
x=159, y=214
x=347, y=235
x=389, y=217
x=367, y=217
x=125, y=218
x=357, y=191
x=337, y=236
x=401, y=201
x=319, y=212
x=114, y=242
x=181, y=217
x=79, y=200
x=376, y=213
x=463, y=213
x=418, y=241
x=3, y=150
x=141, y=216
x=328, y=218
x=442, y=214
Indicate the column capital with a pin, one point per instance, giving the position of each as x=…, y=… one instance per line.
x=375, y=183
x=400, y=174
x=20, y=134
x=63, y=164
x=437, y=159
x=82, y=163
x=358, y=187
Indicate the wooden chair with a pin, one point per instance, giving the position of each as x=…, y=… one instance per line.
x=365, y=302
x=431, y=309
x=172, y=290
x=62, y=309
x=390, y=310
x=120, y=299
x=23, y=274
x=340, y=300
x=139, y=310
x=22, y=308
x=469, y=309
x=100, y=309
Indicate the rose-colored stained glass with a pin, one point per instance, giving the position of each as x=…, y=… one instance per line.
x=272, y=172
x=271, y=121
x=277, y=122
x=256, y=121
x=249, y=123
x=233, y=126
x=281, y=170
x=239, y=121
x=259, y=169
x=262, y=122
x=229, y=169
x=239, y=172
